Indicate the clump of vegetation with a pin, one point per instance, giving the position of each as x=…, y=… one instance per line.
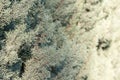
x=36, y=46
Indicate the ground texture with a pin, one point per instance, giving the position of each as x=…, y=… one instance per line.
x=59, y=40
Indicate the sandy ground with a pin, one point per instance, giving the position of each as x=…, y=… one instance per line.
x=104, y=62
